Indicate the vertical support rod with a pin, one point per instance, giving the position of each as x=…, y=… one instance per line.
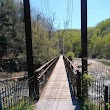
x=84, y=35
x=28, y=35
x=106, y=97
x=63, y=46
x=58, y=43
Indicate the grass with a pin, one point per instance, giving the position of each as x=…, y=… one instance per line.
x=22, y=106
x=89, y=105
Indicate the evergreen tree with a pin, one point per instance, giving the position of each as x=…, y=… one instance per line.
x=11, y=28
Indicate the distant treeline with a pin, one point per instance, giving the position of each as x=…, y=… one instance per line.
x=98, y=40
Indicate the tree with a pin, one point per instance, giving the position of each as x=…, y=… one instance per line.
x=7, y=22
x=44, y=41
x=11, y=29
x=106, y=49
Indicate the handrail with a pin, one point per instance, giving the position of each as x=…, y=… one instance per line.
x=42, y=74
x=44, y=65
x=74, y=76
x=72, y=64
x=49, y=66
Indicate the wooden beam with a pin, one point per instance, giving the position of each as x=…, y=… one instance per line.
x=84, y=35
x=28, y=34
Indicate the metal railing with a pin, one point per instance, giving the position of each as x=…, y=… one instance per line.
x=74, y=76
x=44, y=72
x=16, y=95
x=99, y=95
x=98, y=92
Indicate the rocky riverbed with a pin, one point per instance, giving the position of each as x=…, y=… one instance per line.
x=95, y=68
x=100, y=72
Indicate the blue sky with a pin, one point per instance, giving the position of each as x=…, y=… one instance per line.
x=98, y=10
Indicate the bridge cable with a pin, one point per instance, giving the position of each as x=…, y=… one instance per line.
x=71, y=12
x=48, y=7
x=42, y=8
x=68, y=12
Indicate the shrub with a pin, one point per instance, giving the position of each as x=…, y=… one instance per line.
x=85, y=103
x=70, y=55
x=89, y=105
x=87, y=79
x=86, y=83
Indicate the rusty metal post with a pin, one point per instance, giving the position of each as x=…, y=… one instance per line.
x=84, y=44
x=106, y=97
x=36, y=86
x=28, y=35
x=78, y=84
x=84, y=35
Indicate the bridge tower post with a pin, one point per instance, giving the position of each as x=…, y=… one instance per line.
x=84, y=35
x=84, y=44
x=28, y=34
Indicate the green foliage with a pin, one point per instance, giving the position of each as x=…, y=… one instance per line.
x=71, y=39
x=86, y=83
x=108, y=105
x=22, y=106
x=85, y=103
x=88, y=105
x=44, y=45
x=98, y=40
x=12, y=40
x=103, y=27
x=70, y=55
x=46, y=41
x=3, y=46
x=87, y=79
x=12, y=33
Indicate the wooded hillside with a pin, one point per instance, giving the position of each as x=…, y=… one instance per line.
x=47, y=41
x=12, y=33
x=98, y=40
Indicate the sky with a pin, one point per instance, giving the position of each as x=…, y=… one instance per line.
x=98, y=10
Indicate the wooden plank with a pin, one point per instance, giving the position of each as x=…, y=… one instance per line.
x=56, y=95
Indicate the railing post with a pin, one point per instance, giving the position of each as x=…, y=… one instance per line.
x=106, y=97
x=0, y=102
x=78, y=84
x=36, y=85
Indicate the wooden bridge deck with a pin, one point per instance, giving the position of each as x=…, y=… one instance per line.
x=56, y=95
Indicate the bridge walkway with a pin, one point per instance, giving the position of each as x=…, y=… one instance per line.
x=56, y=94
